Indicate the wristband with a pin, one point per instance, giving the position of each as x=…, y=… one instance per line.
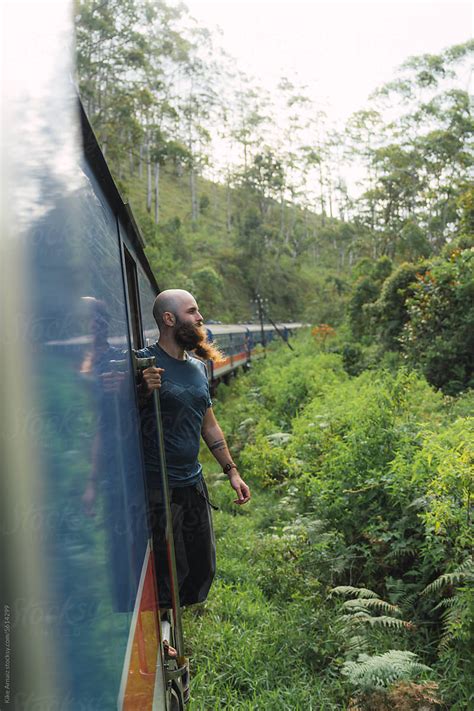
x=228, y=467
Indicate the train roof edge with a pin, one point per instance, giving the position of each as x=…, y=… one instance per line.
x=95, y=157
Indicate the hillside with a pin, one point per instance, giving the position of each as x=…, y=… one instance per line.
x=205, y=255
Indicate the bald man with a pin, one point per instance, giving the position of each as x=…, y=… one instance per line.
x=187, y=415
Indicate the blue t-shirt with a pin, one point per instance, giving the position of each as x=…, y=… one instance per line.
x=184, y=398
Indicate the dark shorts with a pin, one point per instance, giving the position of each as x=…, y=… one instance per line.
x=194, y=543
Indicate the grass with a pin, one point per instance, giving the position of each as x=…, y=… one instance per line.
x=249, y=648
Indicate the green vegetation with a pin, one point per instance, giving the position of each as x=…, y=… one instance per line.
x=424, y=312
x=238, y=192
x=347, y=582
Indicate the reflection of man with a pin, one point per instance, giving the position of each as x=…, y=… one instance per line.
x=112, y=472
x=187, y=415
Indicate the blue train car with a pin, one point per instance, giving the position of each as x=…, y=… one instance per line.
x=241, y=344
x=78, y=592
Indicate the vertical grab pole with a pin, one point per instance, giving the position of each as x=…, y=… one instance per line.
x=262, y=328
x=142, y=364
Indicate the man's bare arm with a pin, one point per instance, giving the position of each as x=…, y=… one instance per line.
x=214, y=438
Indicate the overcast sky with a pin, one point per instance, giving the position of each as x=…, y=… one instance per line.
x=341, y=49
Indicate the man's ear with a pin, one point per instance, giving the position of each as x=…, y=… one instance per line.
x=169, y=319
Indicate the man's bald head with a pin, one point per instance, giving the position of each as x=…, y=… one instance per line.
x=177, y=315
x=171, y=301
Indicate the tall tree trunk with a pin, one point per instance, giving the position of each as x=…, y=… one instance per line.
x=194, y=203
x=130, y=155
x=228, y=208
x=157, y=191
x=330, y=199
x=329, y=185
x=292, y=223
x=148, y=177
x=282, y=215
x=140, y=162
x=215, y=199
x=321, y=195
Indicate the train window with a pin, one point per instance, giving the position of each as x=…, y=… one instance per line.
x=133, y=300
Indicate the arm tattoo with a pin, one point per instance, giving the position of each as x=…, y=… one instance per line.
x=218, y=444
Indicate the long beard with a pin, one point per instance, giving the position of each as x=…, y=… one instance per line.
x=194, y=338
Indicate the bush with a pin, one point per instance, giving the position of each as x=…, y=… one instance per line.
x=439, y=337
x=366, y=483
x=390, y=312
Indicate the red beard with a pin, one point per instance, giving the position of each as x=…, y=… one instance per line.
x=194, y=338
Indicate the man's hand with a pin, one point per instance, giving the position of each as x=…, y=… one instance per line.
x=240, y=487
x=151, y=380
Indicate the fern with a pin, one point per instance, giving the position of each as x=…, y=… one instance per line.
x=349, y=590
x=455, y=605
x=362, y=604
x=370, y=673
x=444, y=603
x=357, y=611
x=362, y=618
x=451, y=619
x=464, y=573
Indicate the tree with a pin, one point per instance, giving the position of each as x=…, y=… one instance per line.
x=439, y=335
x=366, y=292
x=209, y=287
x=389, y=313
x=417, y=172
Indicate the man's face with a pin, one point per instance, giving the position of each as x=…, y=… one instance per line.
x=188, y=330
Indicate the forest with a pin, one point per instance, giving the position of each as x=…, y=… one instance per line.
x=350, y=585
